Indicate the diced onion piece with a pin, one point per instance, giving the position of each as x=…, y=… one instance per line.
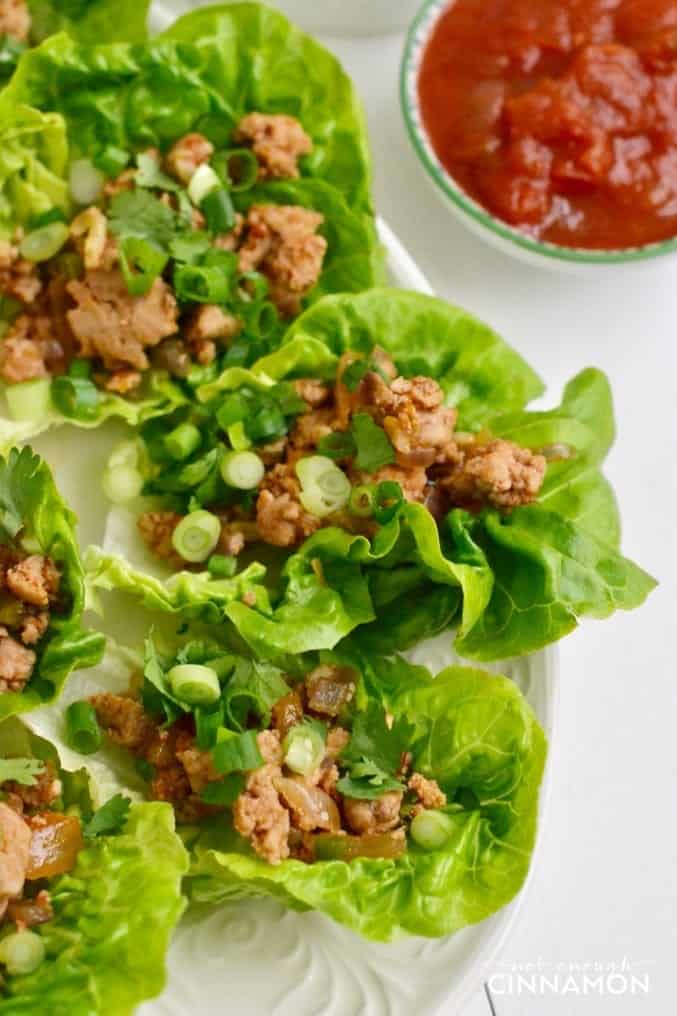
x=196, y=536
x=304, y=749
x=22, y=952
x=242, y=470
x=312, y=807
x=54, y=846
x=85, y=181
x=431, y=829
x=326, y=488
x=194, y=684
x=42, y=244
x=29, y=400
x=202, y=182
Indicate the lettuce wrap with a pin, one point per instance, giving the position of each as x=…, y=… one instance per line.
x=418, y=796
x=508, y=532
x=95, y=881
x=30, y=22
x=152, y=242
x=42, y=637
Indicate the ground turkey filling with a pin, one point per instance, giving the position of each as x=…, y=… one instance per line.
x=29, y=589
x=281, y=813
x=36, y=843
x=87, y=310
x=15, y=20
x=434, y=464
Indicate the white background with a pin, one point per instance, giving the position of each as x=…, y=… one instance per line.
x=606, y=884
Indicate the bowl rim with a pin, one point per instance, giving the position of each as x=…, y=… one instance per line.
x=417, y=39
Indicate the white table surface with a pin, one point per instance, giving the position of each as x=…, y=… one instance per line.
x=605, y=890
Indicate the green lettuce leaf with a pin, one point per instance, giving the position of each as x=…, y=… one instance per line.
x=209, y=69
x=29, y=499
x=474, y=734
x=479, y=373
x=100, y=955
x=158, y=396
x=90, y=21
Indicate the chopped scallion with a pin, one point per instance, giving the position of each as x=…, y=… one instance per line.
x=431, y=829
x=77, y=398
x=85, y=182
x=237, y=753
x=141, y=263
x=22, y=952
x=304, y=749
x=237, y=167
x=218, y=210
x=29, y=400
x=362, y=501
x=183, y=441
x=194, y=684
x=325, y=487
x=222, y=566
x=242, y=470
x=202, y=182
x=42, y=244
x=83, y=733
x=196, y=536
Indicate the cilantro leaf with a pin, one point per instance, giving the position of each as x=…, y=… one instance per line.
x=339, y=445
x=139, y=213
x=150, y=175
x=372, y=443
x=21, y=770
x=189, y=247
x=109, y=818
x=18, y=473
x=374, y=753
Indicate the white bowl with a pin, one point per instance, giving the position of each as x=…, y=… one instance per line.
x=481, y=222
x=333, y=17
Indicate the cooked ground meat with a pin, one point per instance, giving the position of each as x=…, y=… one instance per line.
x=198, y=764
x=15, y=19
x=16, y=663
x=277, y=141
x=260, y=816
x=124, y=720
x=89, y=230
x=500, y=473
x=312, y=391
x=22, y=358
x=19, y=278
x=123, y=381
x=281, y=242
x=378, y=816
x=157, y=529
x=427, y=791
x=115, y=326
x=34, y=580
x=33, y=627
x=43, y=793
x=209, y=321
x=184, y=157
x=280, y=517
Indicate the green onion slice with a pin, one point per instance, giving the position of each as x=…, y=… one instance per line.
x=304, y=749
x=196, y=536
x=237, y=167
x=362, y=501
x=183, y=441
x=222, y=566
x=22, y=952
x=217, y=207
x=325, y=487
x=242, y=470
x=387, y=501
x=83, y=733
x=29, y=400
x=42, y=244
x=76, y=398
x=202, y=284
x=141, y=263
x=195, y=685
x=202, y=182
x=431, y=829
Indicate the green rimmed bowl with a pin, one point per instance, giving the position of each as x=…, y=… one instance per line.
x=481, y=222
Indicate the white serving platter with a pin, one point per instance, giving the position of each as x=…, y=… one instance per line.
x=253, y=956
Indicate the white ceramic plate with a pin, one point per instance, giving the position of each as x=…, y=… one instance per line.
x=255, y=957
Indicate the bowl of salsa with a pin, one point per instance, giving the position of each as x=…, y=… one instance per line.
x=550, y=125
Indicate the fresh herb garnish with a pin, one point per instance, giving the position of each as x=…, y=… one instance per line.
x=139, y=213
x=374, y=449
x=21, y=770
x=356, y=370
x=109, y=818
x=374, y=754
x=150, y=175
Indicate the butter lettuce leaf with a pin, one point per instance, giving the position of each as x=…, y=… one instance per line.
x=90, y=21
x=100, y=955
x=31, y=506
x=474, y=734
x=209, y=69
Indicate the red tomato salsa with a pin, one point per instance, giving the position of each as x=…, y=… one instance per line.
x=560, y=116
